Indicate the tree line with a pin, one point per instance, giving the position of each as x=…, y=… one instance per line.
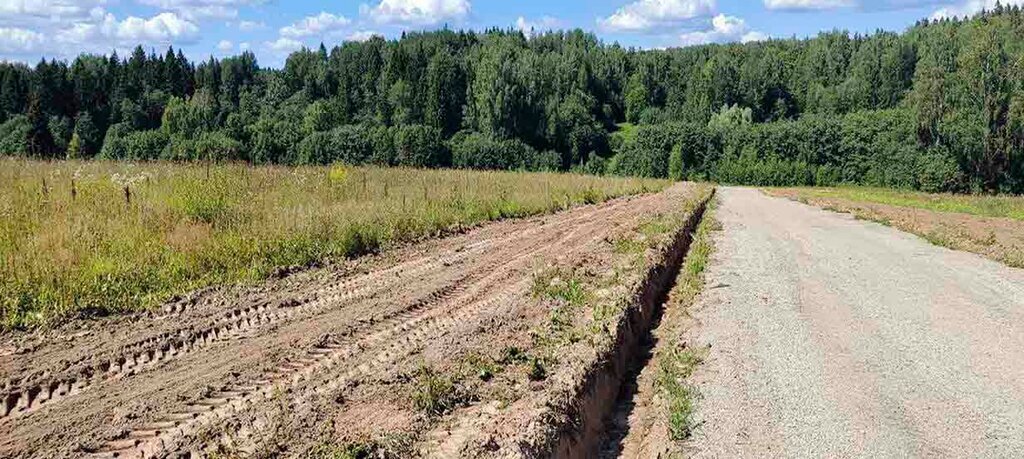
x=939, y=107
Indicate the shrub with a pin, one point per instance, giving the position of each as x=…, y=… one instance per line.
x=352, y=144
x=13, y=133
x=419, y=146
x=478, y=151
x=315, y=149
x=938, y=172
x=143, y=145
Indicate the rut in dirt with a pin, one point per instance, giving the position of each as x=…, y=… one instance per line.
x=212, y=372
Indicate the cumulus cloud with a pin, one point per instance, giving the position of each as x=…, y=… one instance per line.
x=225, y=46
x=27, y=13
x=20, y=41
x=203, y=9
x=723, y=29
x=648, y=15
x=529, y=28
x=808, y=4
x=416, y=12
x=970, y=7
x=284, y=45
x=164, y=28
x=320, y=24
x=361, y=35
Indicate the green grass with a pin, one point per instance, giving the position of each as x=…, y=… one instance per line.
x=437, y=393
x=679, y=361
x=74, y=243
x=986, y=206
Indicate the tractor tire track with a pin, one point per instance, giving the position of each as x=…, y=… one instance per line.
x=322, y=337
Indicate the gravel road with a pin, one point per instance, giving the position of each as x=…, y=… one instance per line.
x=833, y=337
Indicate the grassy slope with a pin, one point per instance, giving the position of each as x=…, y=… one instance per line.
x=72, y=242
x=986, y=206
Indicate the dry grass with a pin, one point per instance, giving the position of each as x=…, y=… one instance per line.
x=73, y=242
x=992, y=226
x=980, y=205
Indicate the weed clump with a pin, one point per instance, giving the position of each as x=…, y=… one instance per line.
x=436, y=394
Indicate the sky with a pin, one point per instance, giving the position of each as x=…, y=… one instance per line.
x=33, y=29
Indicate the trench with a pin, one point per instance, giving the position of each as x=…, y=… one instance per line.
x=610, y=387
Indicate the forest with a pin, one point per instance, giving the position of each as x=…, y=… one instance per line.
x=939, y=107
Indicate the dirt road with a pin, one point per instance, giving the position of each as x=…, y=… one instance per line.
x=833, y=337
x=316, y=356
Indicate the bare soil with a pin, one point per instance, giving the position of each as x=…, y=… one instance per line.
x=333, y=358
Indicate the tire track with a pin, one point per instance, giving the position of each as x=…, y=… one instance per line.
x=398, y=335
x=234, y=324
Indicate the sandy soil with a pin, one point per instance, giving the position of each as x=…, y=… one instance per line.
x=835, y=337
x=319, y=358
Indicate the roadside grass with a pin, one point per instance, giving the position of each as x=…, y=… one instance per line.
x=386, y=445
x=98, y=238
x=677, y=361
x=986, y=206
x=992, y=226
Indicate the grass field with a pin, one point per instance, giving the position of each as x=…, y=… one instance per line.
x=985, y=206
x=992, y=226
x=96, y=238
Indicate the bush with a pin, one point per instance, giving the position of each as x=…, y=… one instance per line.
x=352, y=144
x=938, y=172
x=383, y=140
x=115, y=144
x=315, y=149
x=218, y=146
x=13, y=133
x=478, y=151
x=545, y=161
x=419, y=146
x=675, y=163
x=646, y=153
x=144, y=145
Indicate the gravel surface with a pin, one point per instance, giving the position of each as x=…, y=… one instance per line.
x=833, y=337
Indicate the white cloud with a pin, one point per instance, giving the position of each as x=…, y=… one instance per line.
x=284, y=45
x=244, y=46
x=361, y=35
x=529, y=28
x=251, y=26
x=723, y=29
x=315, y=25
x=808, y=4
x=225, y=46
x=416, y=12
x=647, y=15
x=970, y=7
x=20, y=41
x=202, y=9
x=47, y=13
x=163, y=28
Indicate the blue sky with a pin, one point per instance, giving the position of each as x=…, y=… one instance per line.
x=30, y=29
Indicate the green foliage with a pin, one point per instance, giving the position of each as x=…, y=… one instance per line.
x=841, y=108
x=13, y=134
x=471, y=150
x=436, y=394
x=419, y=146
